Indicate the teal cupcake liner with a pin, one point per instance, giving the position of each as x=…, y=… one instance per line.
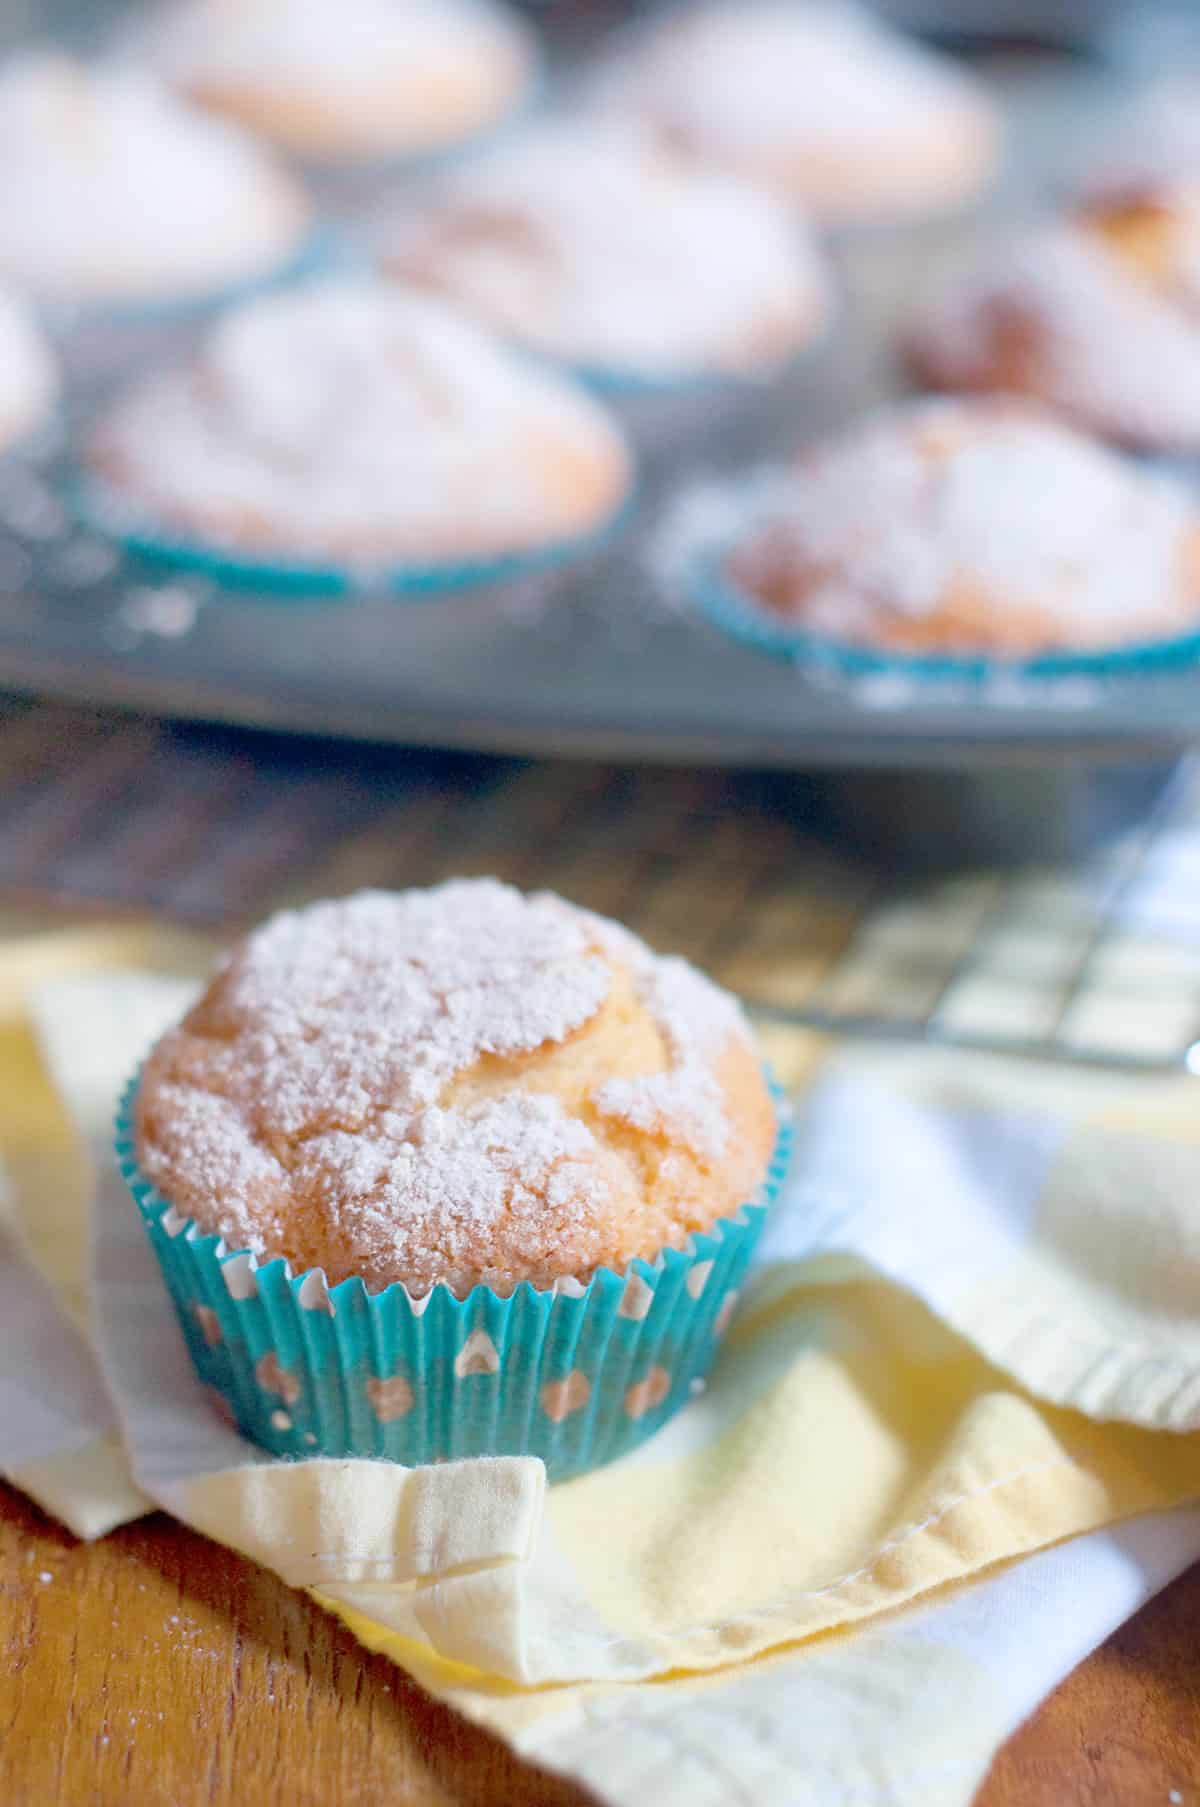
x=734, y=611
x=105, y=513
x=577, y=1375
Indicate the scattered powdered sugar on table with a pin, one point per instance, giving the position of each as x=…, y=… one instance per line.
x=317, y=1067
x=572, y=237
x=352, y=417
x=98, y=167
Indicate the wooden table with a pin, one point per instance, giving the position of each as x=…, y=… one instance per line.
x=154, y=1669
x=157, y=1670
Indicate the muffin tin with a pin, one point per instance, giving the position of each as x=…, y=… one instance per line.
x=601, y=658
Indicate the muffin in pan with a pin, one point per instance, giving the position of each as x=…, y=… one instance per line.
x=817, y=101
x=348, y=433
x=347, y=81
x=965, y=536
x=28, y=379
x=1151, y=140
x=453, y=1172
x=1096, y=313
x=595, y=245
x=114, y=192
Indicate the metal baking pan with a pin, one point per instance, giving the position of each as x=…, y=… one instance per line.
x=598, y=660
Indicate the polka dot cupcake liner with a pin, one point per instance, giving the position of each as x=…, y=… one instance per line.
x=742, y=618
x=577, y=1374
x=100, y=509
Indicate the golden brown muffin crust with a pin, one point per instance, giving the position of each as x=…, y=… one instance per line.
x=462, y=1085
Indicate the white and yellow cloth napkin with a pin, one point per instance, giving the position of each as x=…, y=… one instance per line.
x=974, y=1333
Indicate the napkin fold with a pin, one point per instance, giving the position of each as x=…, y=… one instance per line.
x=900, y=1405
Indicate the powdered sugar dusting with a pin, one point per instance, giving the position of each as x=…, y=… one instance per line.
x=820, y=97
x=1117, y=351
x=274, y=42
x=317, y=1070
x=1154, y=139
x=894, y=517
x=346, y=79
x=355, y=418
x=28, y=381
x=519, y=1158
x=379, y=1000
x=698, y=1020
x=572, y=238
x=98, y=167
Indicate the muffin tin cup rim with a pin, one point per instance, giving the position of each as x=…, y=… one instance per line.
x=736, y=613
x=95, y=504
x=153, y=1205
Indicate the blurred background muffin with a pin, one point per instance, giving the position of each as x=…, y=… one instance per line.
x=973, y=527
x=596, y=246
x=1096, y=313
x=113, y=190
x=345, y=81
x=819, y=102
x=28, y=381
x=355, y=423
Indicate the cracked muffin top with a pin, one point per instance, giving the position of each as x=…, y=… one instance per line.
x=463, y=1085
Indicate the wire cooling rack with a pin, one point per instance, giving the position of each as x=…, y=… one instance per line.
x=1097, y=961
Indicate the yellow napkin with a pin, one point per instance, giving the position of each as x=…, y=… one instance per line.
x=855, y=1452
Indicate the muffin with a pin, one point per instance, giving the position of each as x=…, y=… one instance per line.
x=818, y=102
x=571, y=240
x=114, y=191
x=347, y=81
x=28, y=380
x=355, y=428
x=467, y=1136
x=969, y=530
x=1152, y=140
x=1096, y=314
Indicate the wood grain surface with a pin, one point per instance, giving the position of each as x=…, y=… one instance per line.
x=154, y=1669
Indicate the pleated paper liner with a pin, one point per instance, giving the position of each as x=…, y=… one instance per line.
x=744, y=619
x=578, y=1374
x=274, y=578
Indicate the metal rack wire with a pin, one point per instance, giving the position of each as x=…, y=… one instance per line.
x=1097, y=962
